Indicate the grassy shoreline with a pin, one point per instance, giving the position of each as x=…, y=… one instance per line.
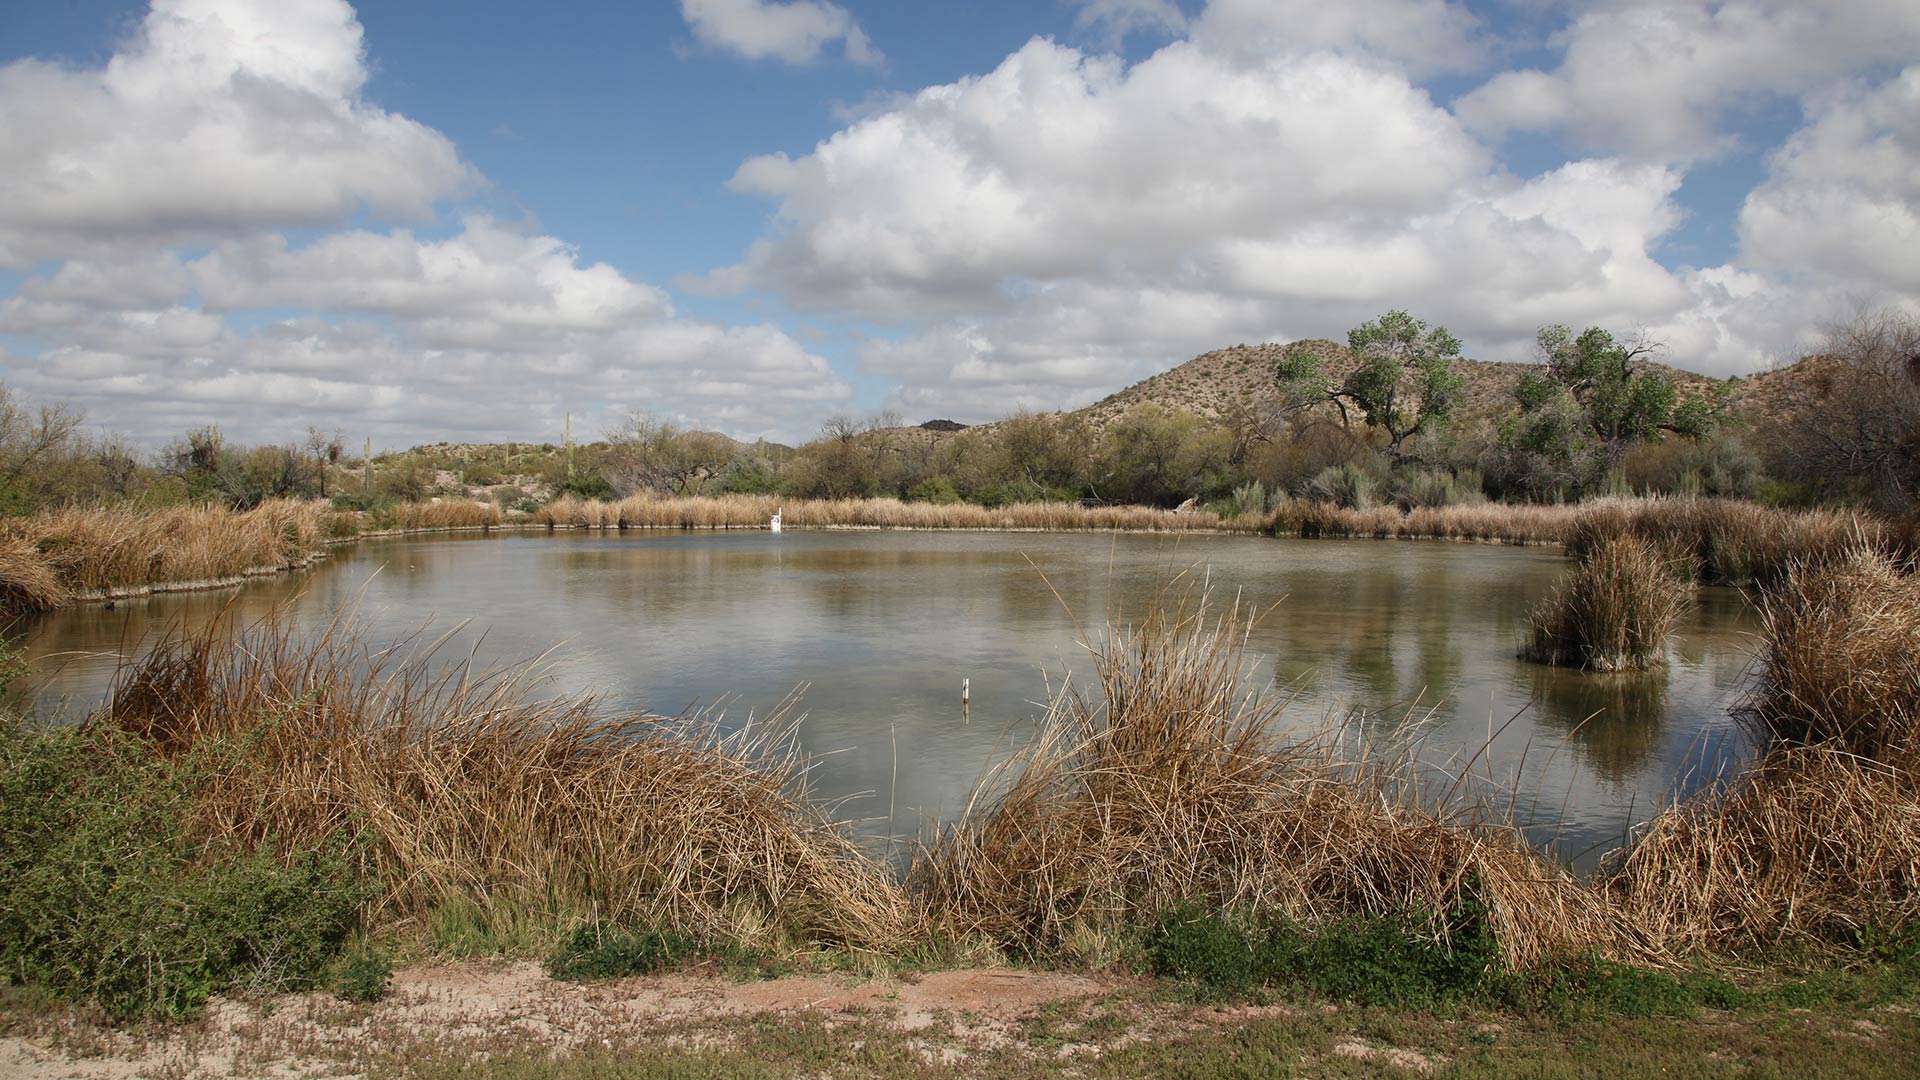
x=79, y=555
x=1162, y=819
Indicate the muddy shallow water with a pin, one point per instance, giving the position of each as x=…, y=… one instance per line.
x=880, y=628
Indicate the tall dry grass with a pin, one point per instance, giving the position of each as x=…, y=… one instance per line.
x=753, y=512
x=1171, y=783
x=1732, y=541
x=1615, y=612
x=101, y=552
x=1840, y=658
x=446, y=514
x=1815, y=847
x=1820, y=843
x=468, y=788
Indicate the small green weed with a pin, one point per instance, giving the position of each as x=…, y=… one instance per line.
x=366, y=976
x=592, y=952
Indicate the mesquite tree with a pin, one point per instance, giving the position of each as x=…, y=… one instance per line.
x=1405, y=382
x=1588, y=402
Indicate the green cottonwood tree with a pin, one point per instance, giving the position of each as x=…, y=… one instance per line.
x=1404, y=384
x=1586, y=405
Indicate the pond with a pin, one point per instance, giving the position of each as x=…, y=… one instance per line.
x=878, y=630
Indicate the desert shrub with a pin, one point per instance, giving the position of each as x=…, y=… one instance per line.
x=365, y=976
x=111, y=897
x=1845, y=420
x=592, y=952
x=1253, y=498
x=1412, y=487
x=1614, y=613
x=936, y=489
x=1347, y=485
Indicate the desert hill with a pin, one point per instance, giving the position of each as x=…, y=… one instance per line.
x=1241, y=377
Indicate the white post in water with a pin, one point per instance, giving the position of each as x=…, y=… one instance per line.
x=966, y=693
x=773, y=523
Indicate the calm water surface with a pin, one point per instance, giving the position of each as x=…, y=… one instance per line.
x=881, y=627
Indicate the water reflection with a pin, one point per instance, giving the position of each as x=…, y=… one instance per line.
x=1613, y=721
x=882, y=627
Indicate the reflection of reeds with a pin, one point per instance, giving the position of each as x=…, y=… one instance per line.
x=1172, y=785
x=1613, y=613
x=465, y=789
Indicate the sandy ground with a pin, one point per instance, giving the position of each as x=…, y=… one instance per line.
x=429, y=1007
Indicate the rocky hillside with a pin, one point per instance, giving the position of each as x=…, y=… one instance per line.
x=1218, y=382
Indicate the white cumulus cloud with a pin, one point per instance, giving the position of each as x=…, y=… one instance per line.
x=215, y=117
x=149, y=199
x=1843, y=197
x=1654, y=78
x=794, y=31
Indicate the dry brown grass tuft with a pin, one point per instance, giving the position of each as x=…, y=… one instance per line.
x=753, y=511
x=1615, y=612
x=98, y=552
x=1172, y=784
x=28, y=581
x=1841, y=658
x=1734, y=542
x=1816, y=846
x=464, y=787
x=447, y=514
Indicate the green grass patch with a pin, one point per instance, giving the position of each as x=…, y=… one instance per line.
x=593, y=952
x=1408, y=959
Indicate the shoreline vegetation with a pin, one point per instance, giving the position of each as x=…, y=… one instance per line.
x=54, y=558
x=1159, y=821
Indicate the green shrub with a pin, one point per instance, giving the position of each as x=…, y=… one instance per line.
x=1205, y=948
x=106, y=896
x=593, y=952
x=1372, y=960
x=366, y=976
x=937, y=489
x=1346, y=485
x=590, y=486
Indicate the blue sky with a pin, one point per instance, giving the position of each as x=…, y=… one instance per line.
x=430, y=220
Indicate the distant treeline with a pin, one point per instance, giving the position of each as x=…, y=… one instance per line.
x=1383, y=426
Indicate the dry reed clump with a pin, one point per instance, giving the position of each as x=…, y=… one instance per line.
x=467, y=788
x=1506, y=523
x=1816, y=846
x=1840, y=660
x=1615, y=612
x=753, y=512
x=1734, y=542
x=1173, y=786
x=28, y=581
x=96, y=552
x=446, y=514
